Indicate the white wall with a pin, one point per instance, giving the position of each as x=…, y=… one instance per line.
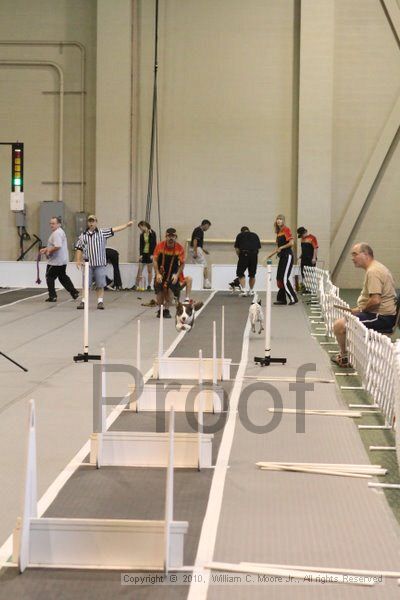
x=228, y=95
x=225, y=114
x=29, y=113
x=366, y=86
x=113, y=118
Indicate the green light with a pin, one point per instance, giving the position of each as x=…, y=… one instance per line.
x=17, y=181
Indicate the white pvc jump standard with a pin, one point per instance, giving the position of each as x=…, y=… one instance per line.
x=85, y=357
x=222, y=339
x=138, y=348
x=201, y=408
x=146, y=448
x=214, y=356
x=266, y=360
x=94, y=543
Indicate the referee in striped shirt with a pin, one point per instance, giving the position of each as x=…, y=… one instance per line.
x=91, y=246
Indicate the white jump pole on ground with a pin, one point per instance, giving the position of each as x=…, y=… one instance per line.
x=161, y=335
x=266, y=360
x=214, y=355
x=222, y=342
x=200, y=367
x=201, y=408
x=85, y=357
x=169, y=494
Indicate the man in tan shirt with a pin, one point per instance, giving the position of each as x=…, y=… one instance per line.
x=376, y=305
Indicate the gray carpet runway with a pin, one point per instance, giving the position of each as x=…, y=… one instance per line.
x=44, y=338
x=294, y=518
x=236, y=311
x=284, y=518
x=14, y=295
x=136, y=493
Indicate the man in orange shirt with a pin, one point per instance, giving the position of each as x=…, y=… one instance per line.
x=168, y=261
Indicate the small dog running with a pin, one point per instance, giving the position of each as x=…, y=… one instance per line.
x=256, y=315
x=185, y=315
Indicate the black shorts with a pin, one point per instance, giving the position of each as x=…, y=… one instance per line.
x=377, y=322
x=247, y=260
x=146, y=259
x=175, y=288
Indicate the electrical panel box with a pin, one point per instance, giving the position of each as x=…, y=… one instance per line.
x=20, y=218
x=48, y=209
x=17, y=202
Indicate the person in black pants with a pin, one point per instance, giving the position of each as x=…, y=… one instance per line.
x=309, y=249
x=147, y=244
x=56, y=252
x=112, y=257
x=247, y=245
x=284, y=244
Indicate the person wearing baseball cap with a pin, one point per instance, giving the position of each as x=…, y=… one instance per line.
x=168, y=262
x=91, y=246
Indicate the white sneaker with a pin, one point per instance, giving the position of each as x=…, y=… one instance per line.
x=251, y=293
x=244, y=294
x=207, y=284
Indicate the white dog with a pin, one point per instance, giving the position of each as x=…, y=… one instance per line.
x=256, y=315
x=185, y=313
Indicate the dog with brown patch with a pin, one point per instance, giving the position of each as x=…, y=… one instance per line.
x=185, y=315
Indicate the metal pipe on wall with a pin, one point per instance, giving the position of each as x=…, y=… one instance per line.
x=47, y=63
x=82, y=50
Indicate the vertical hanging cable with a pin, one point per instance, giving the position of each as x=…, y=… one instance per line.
x=154, y=136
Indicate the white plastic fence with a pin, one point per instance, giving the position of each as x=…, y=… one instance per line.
x=373, y=355
x=396, y=375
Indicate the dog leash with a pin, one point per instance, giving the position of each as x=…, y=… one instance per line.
x=162, y=268
x=38, y=280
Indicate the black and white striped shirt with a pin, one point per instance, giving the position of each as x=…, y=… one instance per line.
x=93, y=245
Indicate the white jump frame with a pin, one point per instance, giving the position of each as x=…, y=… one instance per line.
x=148, y=448
x=95, y=543
x=211, y=396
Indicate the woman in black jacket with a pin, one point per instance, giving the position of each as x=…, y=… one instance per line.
x=148, y=241
x=284, y=245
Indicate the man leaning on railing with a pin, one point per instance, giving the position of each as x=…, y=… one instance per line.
x=376, y=305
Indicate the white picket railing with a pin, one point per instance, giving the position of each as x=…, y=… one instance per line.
x=373, y=355
x=396, y=375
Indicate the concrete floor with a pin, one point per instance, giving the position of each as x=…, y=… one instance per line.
x=44, y=338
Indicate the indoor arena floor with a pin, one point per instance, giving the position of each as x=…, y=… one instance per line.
x=235, y=514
